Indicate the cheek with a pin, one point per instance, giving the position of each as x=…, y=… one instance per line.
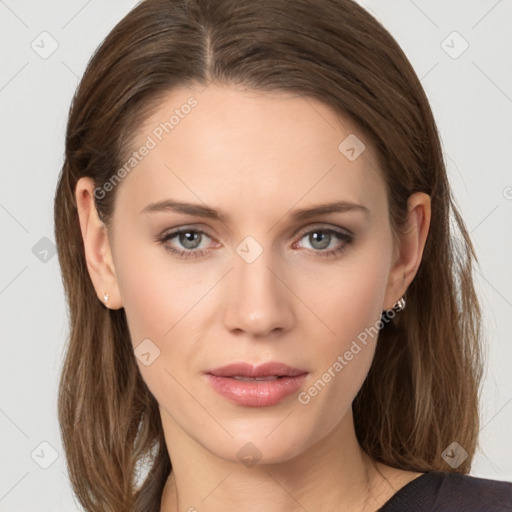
x=346, y=299
x=159, y=302
x=349, y=306
x=166, y=303
x=156, y=292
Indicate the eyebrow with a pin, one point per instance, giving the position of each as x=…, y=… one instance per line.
x=198, y=210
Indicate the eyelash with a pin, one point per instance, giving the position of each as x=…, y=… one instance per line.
x=195, y=253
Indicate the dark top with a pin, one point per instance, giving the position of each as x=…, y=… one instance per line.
x=442, y=491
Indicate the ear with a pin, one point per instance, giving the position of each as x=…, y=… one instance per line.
x=96, y=244
x=409, y=251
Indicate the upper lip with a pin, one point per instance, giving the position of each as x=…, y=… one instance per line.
x=248, y=370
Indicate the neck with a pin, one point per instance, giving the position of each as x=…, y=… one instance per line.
x=333, y=474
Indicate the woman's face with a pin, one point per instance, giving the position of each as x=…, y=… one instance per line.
x=253, y=278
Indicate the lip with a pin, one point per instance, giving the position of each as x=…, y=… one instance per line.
x=263, y=370
x=256, y=393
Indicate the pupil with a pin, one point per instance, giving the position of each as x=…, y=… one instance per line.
x=188, y=239
x=324, y=239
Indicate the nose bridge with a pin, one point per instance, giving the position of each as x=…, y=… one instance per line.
x=258, y=302
x=252, y=272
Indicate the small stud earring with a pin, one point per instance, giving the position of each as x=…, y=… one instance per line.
x=105, y=297
x=399, y=305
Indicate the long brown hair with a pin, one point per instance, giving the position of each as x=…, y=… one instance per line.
x=422, y=390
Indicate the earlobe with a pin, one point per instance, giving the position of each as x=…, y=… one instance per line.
x=411, y=246
x=96, y=245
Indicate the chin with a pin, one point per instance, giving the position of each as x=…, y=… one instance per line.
x=256, y=446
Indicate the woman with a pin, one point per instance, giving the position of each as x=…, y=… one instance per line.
x=269, y=306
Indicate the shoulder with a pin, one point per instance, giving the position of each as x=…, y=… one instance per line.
x=479, y=494
x=442, y=491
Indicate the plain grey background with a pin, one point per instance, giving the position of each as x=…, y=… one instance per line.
x=461, y=50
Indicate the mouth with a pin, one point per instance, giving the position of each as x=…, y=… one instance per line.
x=256, y=386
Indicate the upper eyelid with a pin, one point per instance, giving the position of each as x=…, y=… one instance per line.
x=323, y=227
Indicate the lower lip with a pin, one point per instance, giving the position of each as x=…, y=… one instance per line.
x=261, y=393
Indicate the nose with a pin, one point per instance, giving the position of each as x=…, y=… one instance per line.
x=258, y=299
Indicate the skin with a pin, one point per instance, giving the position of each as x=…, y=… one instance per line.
x=257, y=157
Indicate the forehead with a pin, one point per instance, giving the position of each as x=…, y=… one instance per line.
x=222, y=142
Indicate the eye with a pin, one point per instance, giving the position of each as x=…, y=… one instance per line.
x=188, y=241
x=321, y=239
